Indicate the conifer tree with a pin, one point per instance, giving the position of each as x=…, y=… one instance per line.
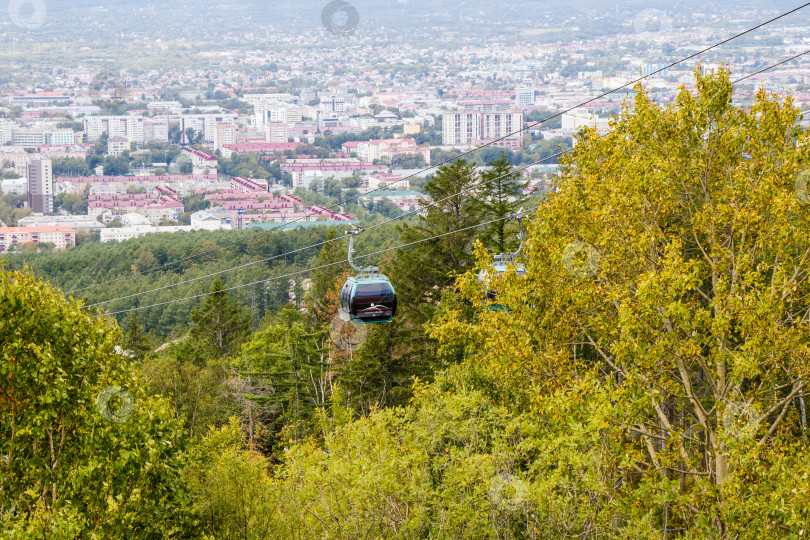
x=220, y=325
x=135, y=341
x=501, y=194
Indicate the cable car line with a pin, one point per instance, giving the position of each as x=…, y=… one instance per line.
x=698, y=53
x=319, y=244
x=299, y=272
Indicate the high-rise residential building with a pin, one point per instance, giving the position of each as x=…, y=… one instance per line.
x=6, y=127
x=659, y=69
x=275, y=132
x=224, y=133
x=130, y=127
x=270, y=111
x=40, y=185
x=333, y=104
x=461, y=127
x=472, y=128
x=524, y=96
x=505, y=124
x=156, y=130
x=205, y=124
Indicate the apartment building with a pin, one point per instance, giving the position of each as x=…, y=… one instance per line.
x=6, y=126
x=205, y=124
x=224, y=133
x=473, y=128
x=386, y=149
x=117, y=146
x=275, y=132
x=202, y=162
x=156, y=130
x=129, y=127
x=40, y=185
x=502, y=129
x=270, y=112
x=13, y=237
x=16, y=157
x=162, y=204
x=461, y=127
x=524, y=97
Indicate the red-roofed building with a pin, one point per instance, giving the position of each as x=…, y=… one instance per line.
x=161, y=204
x=260, y=148
x=248, y=185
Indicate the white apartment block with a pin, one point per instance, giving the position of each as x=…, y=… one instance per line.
x=205, y=124
x=129, y=127
x=6, y=127
x=60, y=136
x=574, y=120
x=17, y=186
x=154, y=214
x=224, y=133
x=40, y=185
x=275, y=132
x=120, y=234
x=270, y=111
x=461, y=127
x=27, y=138
x=495, y=125
x=80, y=222
x=117, y=146
x=156, y=130
x=472, y=128
x=333, y=104
x=295, y=114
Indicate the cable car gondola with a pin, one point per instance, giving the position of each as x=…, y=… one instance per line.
x=367, y=297
x=499, y=266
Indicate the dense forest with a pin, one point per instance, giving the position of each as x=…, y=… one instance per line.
x=644, y=378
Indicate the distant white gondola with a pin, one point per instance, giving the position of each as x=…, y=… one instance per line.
x=500, y=265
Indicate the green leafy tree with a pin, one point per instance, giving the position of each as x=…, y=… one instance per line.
x=116, y=166
x=667, y=280
x=66, y=470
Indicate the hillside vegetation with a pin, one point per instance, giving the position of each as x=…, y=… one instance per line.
x=645, y=378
